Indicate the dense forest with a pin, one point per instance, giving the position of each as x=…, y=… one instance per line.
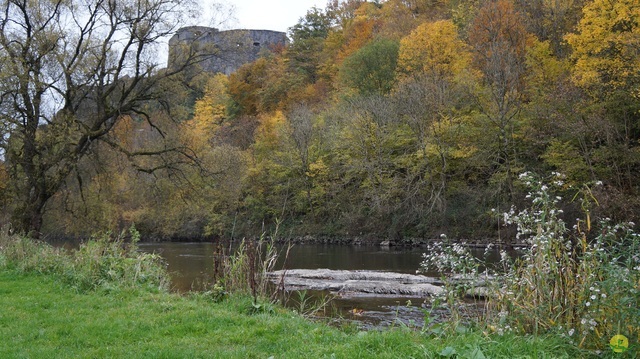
x=379, y=119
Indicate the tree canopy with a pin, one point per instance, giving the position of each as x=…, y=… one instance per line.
x=70, y=72
x=393, y=119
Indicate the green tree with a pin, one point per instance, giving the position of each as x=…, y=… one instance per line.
x=307, y=38
x=372, y=69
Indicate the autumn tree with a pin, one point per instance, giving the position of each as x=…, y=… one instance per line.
x=71, y=71
x=244, y=86
x=368, y=145
x=355, y=24
x=605, y=47
x=400, y=17
x=434, y=48
x=606, y=59
x=212, y=119
x=500, y=40
x=358, y=32
x=343, y=12
x=554, y=130
x=433, y=99
x=551, y=20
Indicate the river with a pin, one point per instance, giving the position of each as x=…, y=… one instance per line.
x=191, y=266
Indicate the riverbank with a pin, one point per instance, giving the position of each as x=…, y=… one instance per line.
x=41, y=317
x=354, y=241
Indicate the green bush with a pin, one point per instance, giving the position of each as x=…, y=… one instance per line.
x=103, y=262
x=27, y=255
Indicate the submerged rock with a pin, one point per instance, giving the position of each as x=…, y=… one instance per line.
x=354, y=283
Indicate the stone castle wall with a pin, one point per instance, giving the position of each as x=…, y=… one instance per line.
x=222, y=51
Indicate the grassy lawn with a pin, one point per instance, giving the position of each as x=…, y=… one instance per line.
x=43, y=318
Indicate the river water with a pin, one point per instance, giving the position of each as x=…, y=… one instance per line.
x=191, y=268
x=191, y=264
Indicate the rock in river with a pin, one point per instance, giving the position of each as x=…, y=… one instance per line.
x=354, y=283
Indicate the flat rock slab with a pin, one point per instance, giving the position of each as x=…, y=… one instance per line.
x=353, y=283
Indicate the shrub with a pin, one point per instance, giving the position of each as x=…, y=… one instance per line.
x=108, y=261
x=103, y=262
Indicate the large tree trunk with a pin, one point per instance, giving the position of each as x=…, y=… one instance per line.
x=33, y=193
x=31, y=219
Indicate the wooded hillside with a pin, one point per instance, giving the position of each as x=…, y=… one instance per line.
x=387, y=119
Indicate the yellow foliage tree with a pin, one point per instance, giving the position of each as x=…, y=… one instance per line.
x=209, y=112
x=434, y=48
x=267, y=134
x=606, y=47
x=544, y=69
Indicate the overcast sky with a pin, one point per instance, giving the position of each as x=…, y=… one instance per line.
x=264, y=14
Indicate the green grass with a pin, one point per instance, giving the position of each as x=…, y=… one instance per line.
x=41, y=317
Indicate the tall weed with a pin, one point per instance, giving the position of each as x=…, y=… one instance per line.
x=582, y=282
x=460, y=271
x=586, y=289
x=244, y=270
x=27, y=255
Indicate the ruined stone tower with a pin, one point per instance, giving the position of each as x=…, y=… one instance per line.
x=222, y=51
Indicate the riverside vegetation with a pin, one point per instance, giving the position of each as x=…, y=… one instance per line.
x=584, y=289
x=107, y=299
x=396, y=119
x=564, y=298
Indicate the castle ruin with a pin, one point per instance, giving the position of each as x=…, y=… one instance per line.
x=222, y=51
